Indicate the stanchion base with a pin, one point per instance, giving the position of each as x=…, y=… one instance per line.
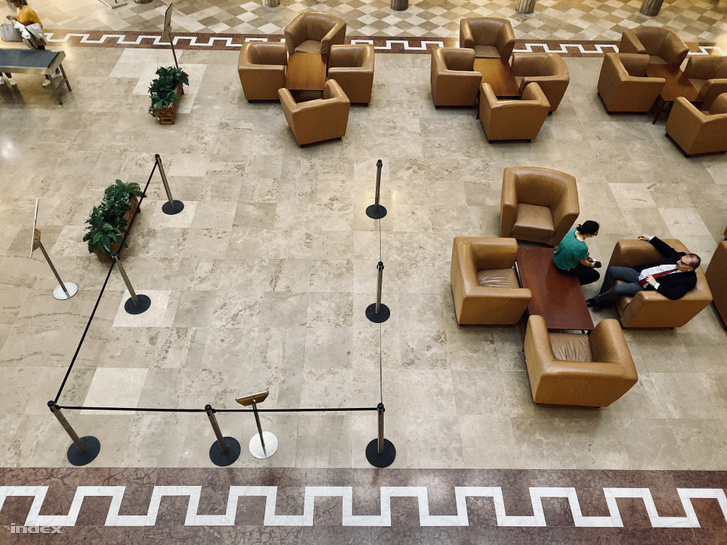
x=256, y=447
x=71, y=288
x=380, y=460
x=233, y=452
x=78, y=458
x=143, y=306
x=375, y=214
x=381, y=317
x=170, y=210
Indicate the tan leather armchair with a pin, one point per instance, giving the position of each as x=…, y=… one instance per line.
x=623, y=84
x=717, y=279
x=454, y=81
x=352, y=66
x=484, y=284
x=537, y=204
x=490, y=37
x=709, y=77
x=650, y=308
x=317, y=120
x=548, y=70
x=261, y=67
x=571, y=369
x=696, y=131
x=312, y=32
x=661, y=44
x=513, y=119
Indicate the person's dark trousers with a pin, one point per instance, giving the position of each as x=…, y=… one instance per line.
x=586, y=275
x=610, y=290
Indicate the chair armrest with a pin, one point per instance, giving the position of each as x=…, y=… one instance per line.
x=703, y=67
x=508, y=202
x=685, y=120
x=336, y=35
x=493, y=253
x=466, y=39
x=674, y=50
x=608, y=345
x=630, y=43
x=505, y=42
x=711, y=89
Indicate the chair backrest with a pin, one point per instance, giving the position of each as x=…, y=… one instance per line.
x=541, y=187
x=651, y=37
x=635, y=64
x=457, y=59
x=719, y=106
x=485, y=29
x=265, y=53
x=318, y=25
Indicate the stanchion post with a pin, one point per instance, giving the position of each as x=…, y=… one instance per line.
x=376, y=211
x=380, y=452
x=137, y=303
x=378, y=312
x=170, y=207
x=226, y=450
x=83, y=450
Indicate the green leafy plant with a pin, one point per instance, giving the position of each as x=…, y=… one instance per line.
x=162, y=88
x=107, y=222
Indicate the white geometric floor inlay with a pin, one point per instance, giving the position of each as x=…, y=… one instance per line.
x=419, y=493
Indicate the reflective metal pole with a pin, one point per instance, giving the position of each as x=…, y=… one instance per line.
x=380, y=267
x=126, y=279
x=379, y=164
x=216, y=428
x=52, y=268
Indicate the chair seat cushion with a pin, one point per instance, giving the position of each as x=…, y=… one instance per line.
x=571, y=347
x=309, y=46
x=533, y=223
x=498, y=278
x=486, y=52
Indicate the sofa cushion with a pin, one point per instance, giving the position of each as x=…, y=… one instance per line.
x=486, y=52
x=309, y=46
x=533, y=221
x=498, y=278
x=570, y=347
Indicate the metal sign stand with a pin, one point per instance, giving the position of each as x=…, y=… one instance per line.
x=64, y=290
x=264, y=444
x=167, y=31
x=114, y=5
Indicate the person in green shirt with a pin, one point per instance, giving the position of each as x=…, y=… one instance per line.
x=571, y=255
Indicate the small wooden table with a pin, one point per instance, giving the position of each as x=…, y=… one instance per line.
x=677, y=85
x=498, y=73
x=306, y=72
x=557, y=297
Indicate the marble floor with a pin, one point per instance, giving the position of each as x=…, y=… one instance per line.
x=262, y=283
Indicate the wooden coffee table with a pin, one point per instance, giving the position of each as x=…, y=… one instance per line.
x=498, y=73
x=557, y=297
x=677, y=85
x=306, y=72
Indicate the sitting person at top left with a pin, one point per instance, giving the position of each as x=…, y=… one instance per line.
x=571, y=256
x=33, y=36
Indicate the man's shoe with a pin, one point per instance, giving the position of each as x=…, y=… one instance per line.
x=2, y=80
x=46, y=83
x=591, y=303
x=11, y=81
x=56, y=75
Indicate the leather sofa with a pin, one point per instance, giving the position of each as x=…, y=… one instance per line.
x=698, y=131
x=312, y=32
x=548, y=70
x=537, y=204
x=352, y=66
x=709, y=77
x=261, y=67
x=484, y=284
x=623, y=84
x=572, y=369
x=513, y=119
x=317, y=120
x=453, y=79
x=649, y=308
x=716, y=275
x=661, y=44
x=490, y=37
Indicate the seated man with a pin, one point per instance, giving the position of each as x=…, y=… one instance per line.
x=673, y=276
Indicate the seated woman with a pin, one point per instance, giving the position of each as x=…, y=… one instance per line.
x=571, y=255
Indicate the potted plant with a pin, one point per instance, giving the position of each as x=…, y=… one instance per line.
x=109, y=221
x=165, y=92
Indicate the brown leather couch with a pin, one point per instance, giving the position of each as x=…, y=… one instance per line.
x=623, y=84
x=717, y=279
x=317, y=120
x=312, y=32
x=513, y=119
x=261, y=67
x=709, y=76
x=490, y=37
x=649, y=308
x=484, y=284
x=352, y=66
x=572, y=369
x=698, y=131
x=661, y=44
x=537, y=204
x=453, y=79
x=547, y=70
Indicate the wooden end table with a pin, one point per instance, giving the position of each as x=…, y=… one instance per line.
x=676, y=84
x=306, y=72
x=557, y=297
x=498, y=73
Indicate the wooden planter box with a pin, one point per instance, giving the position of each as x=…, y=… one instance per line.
x=115, y=246
x=165, y=115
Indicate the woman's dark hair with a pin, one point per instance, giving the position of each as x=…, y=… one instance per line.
x=588, y=228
